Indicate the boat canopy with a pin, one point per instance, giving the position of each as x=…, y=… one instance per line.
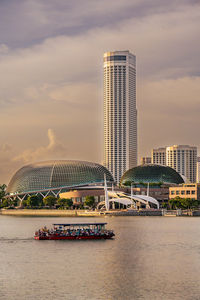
x=80, y=224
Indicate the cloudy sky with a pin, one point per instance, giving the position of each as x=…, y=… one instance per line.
x=51, y=75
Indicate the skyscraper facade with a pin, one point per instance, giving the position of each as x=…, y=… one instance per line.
x=183, y=159
x=198, y=170
x=158, y=156
x=120, y=114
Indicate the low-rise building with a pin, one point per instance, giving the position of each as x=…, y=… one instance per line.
x=78, y=195
x=191, y=191
x=145, y=160
x=160, y=193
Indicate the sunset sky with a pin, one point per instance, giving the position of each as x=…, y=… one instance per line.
x=51, y=75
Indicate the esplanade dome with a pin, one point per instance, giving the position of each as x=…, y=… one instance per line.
x=57, y=174
x=153, y=174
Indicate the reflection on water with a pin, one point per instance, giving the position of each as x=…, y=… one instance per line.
x=150, y=258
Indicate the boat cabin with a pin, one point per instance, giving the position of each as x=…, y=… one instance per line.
x=79, y=226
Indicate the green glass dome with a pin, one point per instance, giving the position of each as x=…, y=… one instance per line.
x=151, y=173
x=57, y=174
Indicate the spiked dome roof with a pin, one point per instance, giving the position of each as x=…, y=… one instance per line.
x=56, y=174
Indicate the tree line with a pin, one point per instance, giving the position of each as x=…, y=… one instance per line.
x=183, y=203
x=37, y=201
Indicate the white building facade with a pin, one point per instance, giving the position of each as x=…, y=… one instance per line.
x=183, y=159
x=120, y=113
x=198, y=170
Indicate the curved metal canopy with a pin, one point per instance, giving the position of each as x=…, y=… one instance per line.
x=123, y=201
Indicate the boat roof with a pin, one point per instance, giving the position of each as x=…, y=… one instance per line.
x=78, y=224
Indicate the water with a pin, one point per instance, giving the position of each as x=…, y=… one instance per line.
x=150, y=258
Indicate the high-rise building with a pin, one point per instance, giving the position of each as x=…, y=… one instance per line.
x=158, y=156
x=183, y=159
x=120, y=114
x=145, y=160
x=198, y=170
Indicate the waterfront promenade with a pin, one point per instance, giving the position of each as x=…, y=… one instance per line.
x=90, y=213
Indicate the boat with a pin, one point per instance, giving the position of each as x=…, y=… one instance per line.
x=75, y=231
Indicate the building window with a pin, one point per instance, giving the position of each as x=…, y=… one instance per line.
x=115, y=58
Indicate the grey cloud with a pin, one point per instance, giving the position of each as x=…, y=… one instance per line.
x=162, y=44
x=58, y=82
x=24, y=23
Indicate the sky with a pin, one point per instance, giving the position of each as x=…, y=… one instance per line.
x=51, y=75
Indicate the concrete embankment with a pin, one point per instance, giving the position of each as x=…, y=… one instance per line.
x=134, y=213
x=48, y=213
x=195, y=213
x=88, y=213
x=76, y=213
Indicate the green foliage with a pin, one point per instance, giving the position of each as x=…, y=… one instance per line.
x=151, y=184
x=89, y=201
x=15, y=202
x=81, y=206
x=6, y=203
x=2, y=191
x=183, y=203
x=164, y=205
x=50, y=201
x=34, y=201
x=65, y=203
x=127, y=183
x=24, y=203
x=143, y=184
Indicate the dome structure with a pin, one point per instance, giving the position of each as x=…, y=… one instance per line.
x=56, y=174
x=153, y=174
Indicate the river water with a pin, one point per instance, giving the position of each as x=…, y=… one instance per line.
x=150, y=258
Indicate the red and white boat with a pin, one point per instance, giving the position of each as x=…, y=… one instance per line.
x=75, y=231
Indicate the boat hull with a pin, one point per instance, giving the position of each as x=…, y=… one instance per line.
x=90, y=237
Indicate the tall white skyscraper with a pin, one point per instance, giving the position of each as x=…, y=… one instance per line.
x=120, y=114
